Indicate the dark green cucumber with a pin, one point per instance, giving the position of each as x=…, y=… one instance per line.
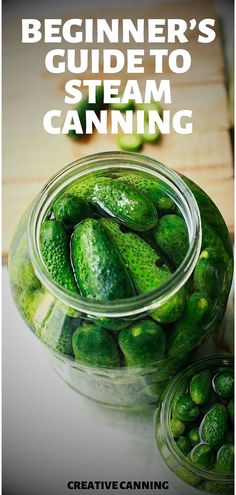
x=213, y=428
x=225, y=459
x=55, y=250
x=141, y=261
x=219, y=487
x=202, y=455
x=224, y=384
x=200, y=387
x=188, y=331
x=143, y=343
x=209, y=272
x=185, y=409
x=95, y=346
x=125, y=203
x=171, y=234
x=99, y=269
x=84, y=105
x=71, y=209
x=183, y=445
x=151, y=188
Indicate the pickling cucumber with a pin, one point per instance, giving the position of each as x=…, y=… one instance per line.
x=99, y=269
x=125, y=203
x=142, y=263
x=55, y=250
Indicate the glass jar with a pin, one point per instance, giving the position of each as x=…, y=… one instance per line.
x=188, y=478
x=54, y=314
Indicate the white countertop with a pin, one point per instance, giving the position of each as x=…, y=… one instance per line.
x=52, y=435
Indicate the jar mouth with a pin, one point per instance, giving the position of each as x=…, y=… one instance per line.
x=111, y=161
x=212, y=361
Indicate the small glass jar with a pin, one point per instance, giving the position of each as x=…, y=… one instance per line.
x=53, y=313
x=187, y=477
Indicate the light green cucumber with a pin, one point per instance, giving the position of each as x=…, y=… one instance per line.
x=150, y=187
x=125, y=203
x=95, y=346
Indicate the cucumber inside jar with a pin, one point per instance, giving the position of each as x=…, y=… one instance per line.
x=200, y=417
x=115, y=235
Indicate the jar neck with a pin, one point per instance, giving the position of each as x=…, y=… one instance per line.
x=105, y=162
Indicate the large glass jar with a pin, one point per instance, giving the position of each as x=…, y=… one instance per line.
x=54, y=314
x=178, y=452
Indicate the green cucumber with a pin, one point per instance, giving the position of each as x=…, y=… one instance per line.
x=177, y=427
x=209, y=272
x=130, y=142
x=187, y=476
x=58, y=329
x=211, y=217
x=225, y=459
x=83, y=187
x=171, y=234
x=213, y=428
x=183, y=445
x=55, y=250
x=149, y=137
x=71, y=209
x=219, y=487
x=200, y=387
x=185, y=409
x=202, y=455
x=230, y=408
x=143, y=343
x=21, y=268
x=122, y=107
x=193, y=436
x=95, y=346
x=150, y=187
x=188, y=331
x=146, y=107
x=141, y=261
x=125, y=203
x=99, y=269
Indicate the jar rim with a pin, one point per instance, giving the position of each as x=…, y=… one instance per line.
x=169, y=391
x=111, y=161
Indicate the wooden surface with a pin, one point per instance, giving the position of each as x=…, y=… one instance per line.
x=31, y=156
